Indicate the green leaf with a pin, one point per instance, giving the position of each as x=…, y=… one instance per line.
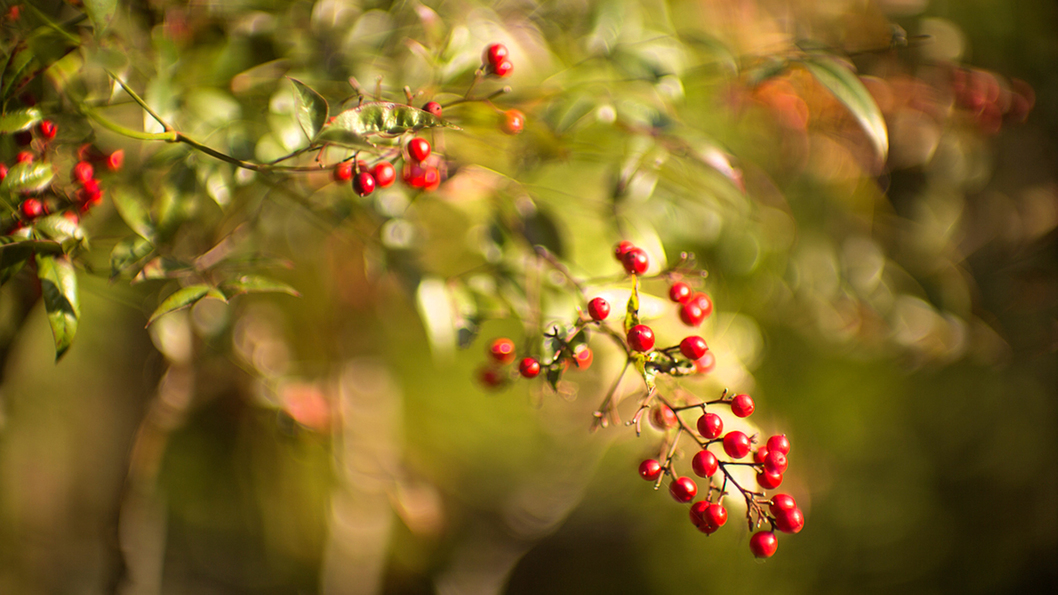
x=648, y=373
x=840, y=80
x=27, y=177
x=161, y=268
x=540, y=229
x=58, y=285
x=127, y=253
x=134, y=213
x=100, y=12
x=59, y=228
x=183, y=298
x=352, y=126
x=19, y=120
x=311, y=109
x=632, y=316
x=16, y=252
x=255, y=284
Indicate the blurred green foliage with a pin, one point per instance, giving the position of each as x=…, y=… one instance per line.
x=895, y=315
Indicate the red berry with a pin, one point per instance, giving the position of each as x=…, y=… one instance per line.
x=715, y=515
x=502, y=69
x=364, y=183
x=502, y=350
x=431, y=179
x=769, y=481
x=414, y=175
x=116, y=160
x=763, y=544
x=779, y=443
x=683, y=489
x=641, y=338
x=32, y=208
x=82, y=172
x=759, y=455
x=680, y=292
x=385, y=174
x=663, y=417
x=635, y=261
x=343, y=172
x=72, y=216
x=742, y=405
x=513, y=121
x=698, y=512
x=691, y=314
x=48, y=129
x=90, y=192
x=598, y=309
x=418, y=149
x=693, y=347
x=650, y=469
x=705, y=364
x=529, y=368
x=704, y=303
x=704, y=463
x=493, y=54
x=622, y=248
x=24, y=157
x=491, y=377
x=791, y=520
x=775, y=462
x=736, y=444
x=710, y=425
x=781, y=502
x=583, y=357
x=3, y=172
x=433, y=107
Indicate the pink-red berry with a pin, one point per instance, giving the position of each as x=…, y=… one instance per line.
x=705, y=364
x=343, y=172
x=82, y=172
x=621, y=248
x=710, y=426
x=598, y=309
x=780, y=502
x=650, y=469
x=3, y=172
x=48, y=129
x=513, y=122
x=583, y=357
x=635, y=261
x=364, y=183
x=779, y=443
x=385, y=174
x=742, y=405
x=698, y=512
x=24, y=157
x=704, y=463
x=115, y=160
x=763, y=544
x=502, y=69
x=693, y=347
x=663, y=417
x=691, y=314
x=736, y=444
x=432, y=107
x=641, y=338
x=494, y=54
x=680, y=292
x=491, y=377
x=715, y=515
x=683, y=489
x=529, y=368
x=769, y=481
x=502, y=350
x=418, y=149
x=704, y=303
x=32, y=208
x=759, y=455
x=775, y=462
x=790, y=520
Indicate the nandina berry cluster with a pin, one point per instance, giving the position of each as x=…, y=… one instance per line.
x=717, y=453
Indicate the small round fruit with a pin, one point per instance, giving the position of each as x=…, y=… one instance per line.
x=385, y=174
x=32, y=208
x=82, y=172
x=705, y=364
x=710, y=426
x=502, y=69
x=635, y=261
x=742, y=405
x=494, y=54
x=491, y=377
x=769, y=481
x=432, y=107
x=583, y=357
x=364, y=183
x=115, y=160
x=513, y=121
x=621, y=248
x=3, y=172
x=693, y=347
x=650, y=469
x=683, y=489
x=704, y=463
x=790, y=521
x=90, y=191
x=759, y=455
x=779, y=443
x=691, y=314
x=736, y=444
x=775, y=462
x=715, y=515
x=529, y=368
x=24, y=157
x=343, y=172
x=698, y=512
x=704, y=303
x=641, y=338
x=418, y=149
x=48, y=129
x=598, y=309
x=414, y=175
x=763, y=544
x=502, y=350
x=663, y=417
x=680, y=292
x=781, y=502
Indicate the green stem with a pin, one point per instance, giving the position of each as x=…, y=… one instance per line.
x=168, y=136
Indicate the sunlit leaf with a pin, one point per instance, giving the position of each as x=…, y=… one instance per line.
x=59, y=228
x=27, y=177
x=100, y=12
x=840, y=80
x=127, y=253
x=15, y=252
x=255, y=284
x=632, y=313
x=162, y=268
x=183, y=298
x=18, y=120
x=352, y=126
x=311, y=108
x=58, y=285
x=133, y=213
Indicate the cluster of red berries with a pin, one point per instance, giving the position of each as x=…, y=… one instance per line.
x=769, y=461
x=495, y=60
x=502, y=352
x=989, y=101
x=417, y=172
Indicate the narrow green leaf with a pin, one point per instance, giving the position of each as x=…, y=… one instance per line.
x=392, y=119
x=161, y=268
x=58, y=284
x=27, y=177
x=648, y=373
x=100, y=12
x=183, y=298
x=127, y=253
x=18, y=120
x=840, y=80
x=59, y=228
x=134, y=213
x=17, y=252
x=632, y=315
x=311, y=108
x=255, y=284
